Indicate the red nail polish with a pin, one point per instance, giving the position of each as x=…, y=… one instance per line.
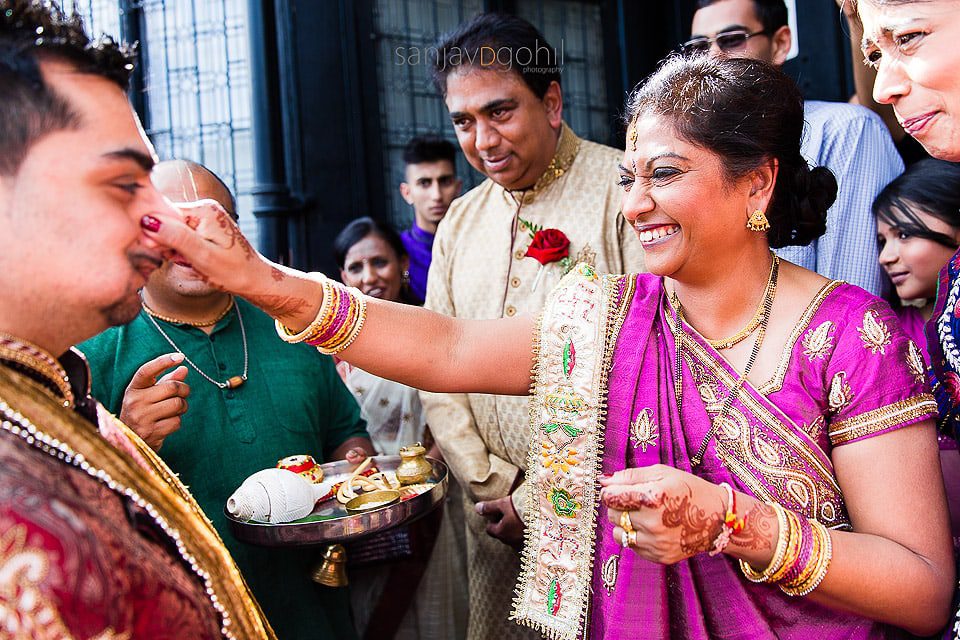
x=150, y=223
x=607, y=475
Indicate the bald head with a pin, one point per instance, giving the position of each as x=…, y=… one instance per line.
x=186, y=181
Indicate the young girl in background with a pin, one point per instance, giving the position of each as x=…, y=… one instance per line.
x=918, y=230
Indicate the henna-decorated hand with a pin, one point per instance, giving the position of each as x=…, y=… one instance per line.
x=204, y=235
x=675, y=514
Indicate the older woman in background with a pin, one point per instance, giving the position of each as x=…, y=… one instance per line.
x=912, y=45
x=418, y=597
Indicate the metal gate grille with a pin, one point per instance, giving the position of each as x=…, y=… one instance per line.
x=196, y=82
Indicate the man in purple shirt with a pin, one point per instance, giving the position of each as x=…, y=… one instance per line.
x=430, y=186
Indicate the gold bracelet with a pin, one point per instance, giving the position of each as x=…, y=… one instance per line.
x=804, y=573
x=359, y=325
x=794, y=547
x=324, y=315
x=346, y=326
x=351, y=328
x=820, y=564
x=783, y=537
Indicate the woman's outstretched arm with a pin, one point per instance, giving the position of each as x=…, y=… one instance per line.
x=408, y=344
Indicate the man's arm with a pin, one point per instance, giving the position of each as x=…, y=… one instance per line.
x=863, y=160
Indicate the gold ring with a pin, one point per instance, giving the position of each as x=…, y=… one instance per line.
x=632, y=539
x=625, y=523
x=625, y=539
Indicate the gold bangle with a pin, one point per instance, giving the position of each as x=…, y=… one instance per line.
x=816, y=549
x=783, y=537
x=794, y=547
x=348, y=332
x=322, y=318
x=821, y=564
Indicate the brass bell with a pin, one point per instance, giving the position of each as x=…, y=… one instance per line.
x=332, y=570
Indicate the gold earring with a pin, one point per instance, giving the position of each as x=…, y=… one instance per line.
x=758, y=222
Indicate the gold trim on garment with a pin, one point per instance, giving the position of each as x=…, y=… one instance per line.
x=568, y=147
x=749, y=455
x=39, y=361
x=567, y=413
x=891, y=415
x=36, y=416
x=775, y=383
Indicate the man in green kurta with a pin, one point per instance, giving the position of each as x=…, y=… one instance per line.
x=241, y=400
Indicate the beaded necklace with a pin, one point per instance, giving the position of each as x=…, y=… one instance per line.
x=680, y=336
x=231, y=383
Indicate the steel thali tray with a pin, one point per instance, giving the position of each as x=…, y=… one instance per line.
x=329, y=522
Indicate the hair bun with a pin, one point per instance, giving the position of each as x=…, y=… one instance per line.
x=800, y=202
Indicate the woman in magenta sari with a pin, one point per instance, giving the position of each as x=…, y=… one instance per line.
x=729, y=446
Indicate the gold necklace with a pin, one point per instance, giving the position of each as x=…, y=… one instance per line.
x=680, y=336
x=205, y=323
x=40, y=362
x=232, y=382
x=754, y=322
x=725, y=343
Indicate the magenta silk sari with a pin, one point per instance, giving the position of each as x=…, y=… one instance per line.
x=848, y=372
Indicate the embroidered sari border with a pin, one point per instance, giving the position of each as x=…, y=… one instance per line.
x=817, y=461
x=811, y=468
x=882, y=419
x=775, y=383
x=553, y=590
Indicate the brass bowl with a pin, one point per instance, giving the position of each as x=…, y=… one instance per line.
x=372, y=500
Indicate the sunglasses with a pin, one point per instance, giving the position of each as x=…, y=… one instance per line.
x=726, y=41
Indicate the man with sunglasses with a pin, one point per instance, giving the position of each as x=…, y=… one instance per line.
x=849, y=140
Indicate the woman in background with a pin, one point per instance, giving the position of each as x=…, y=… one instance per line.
x=410, y=586
x=372, y=258
x=918, y=230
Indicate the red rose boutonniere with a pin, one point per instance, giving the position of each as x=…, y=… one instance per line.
x=547, y=246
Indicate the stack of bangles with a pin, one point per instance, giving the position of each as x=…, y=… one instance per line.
x=801, y=558
x=338, y=321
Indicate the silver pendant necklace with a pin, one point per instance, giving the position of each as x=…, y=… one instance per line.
x=231, y=383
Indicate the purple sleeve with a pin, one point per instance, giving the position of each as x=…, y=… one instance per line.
x=875, y=378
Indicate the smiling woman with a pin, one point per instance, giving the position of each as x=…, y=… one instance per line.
x=912, y=45
x=372, y=258
x=754, y=424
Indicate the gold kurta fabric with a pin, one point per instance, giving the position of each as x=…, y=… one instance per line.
x=116, y=458
x=479, y=271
